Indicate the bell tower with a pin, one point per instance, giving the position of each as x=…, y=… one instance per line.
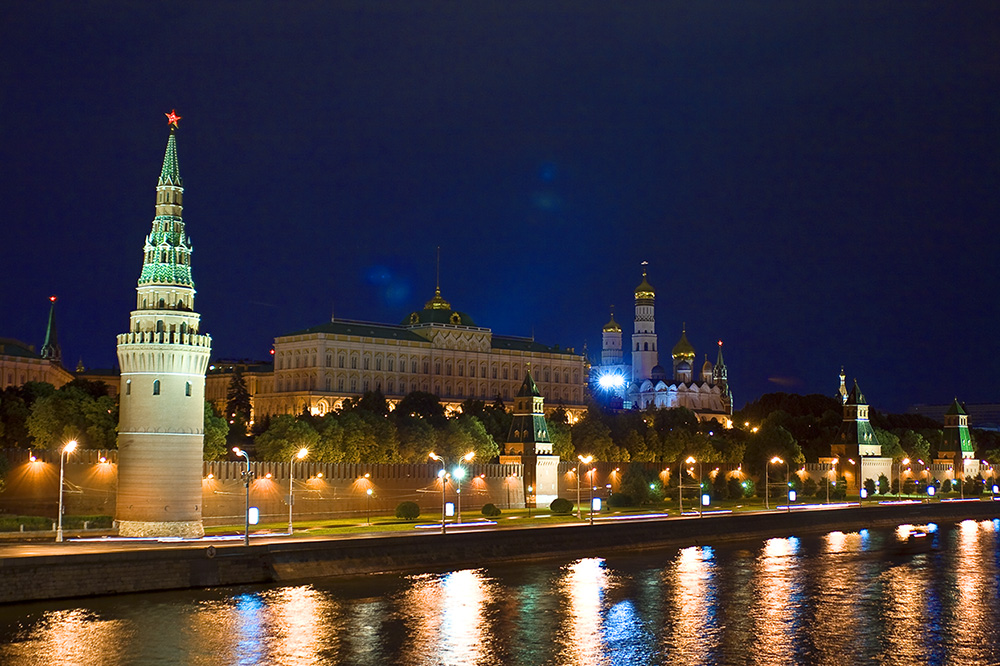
x=163, y=359
x=644, y=354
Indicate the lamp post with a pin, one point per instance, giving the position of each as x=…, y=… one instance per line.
x=767, y=486
x=459, y=474
x=833, y=464
x=246, y=508
x=291, y=484
x=586, y=460
x=690, y=461
x=369, y=506
x=858, y=477
x=66, y=450
x=443, y=475
x=899, y=477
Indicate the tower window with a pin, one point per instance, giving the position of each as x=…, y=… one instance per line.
x=156, y=387
x=187, y=389
x=128, y=387
x=645, y=346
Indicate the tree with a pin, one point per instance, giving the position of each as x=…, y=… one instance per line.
x=562, y=440
x=890, y=445
x=591, y=437
x=284, y=438
x=486, y=449
x=416, y=439
x=915, y=446
x=374, y=402
x=883, y=484
x=216, y=430
x=58, y=418
x=870, y=487
x=424, y=405
x=810, y=488
x=636, y=483
x=238, y=404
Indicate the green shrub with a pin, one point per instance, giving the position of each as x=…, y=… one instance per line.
x=93, y=522
x=561, y=505
x=31, y=523
x=619, y=500
x=491, y=510
x=408, y=510
x=810, y=488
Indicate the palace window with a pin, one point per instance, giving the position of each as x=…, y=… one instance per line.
x=378, y=362
x=340, y=361
x=354, y=363
x=390, y=365
x=365, y=362
x=340, y=384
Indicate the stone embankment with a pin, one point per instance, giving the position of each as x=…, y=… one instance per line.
x=79, y=570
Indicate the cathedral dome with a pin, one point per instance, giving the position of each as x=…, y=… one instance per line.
x=683, y=367
x=645, y=290
x=706, y=369
x=612, y=326
x=658, y=374
x=438, y=311
x=683, y=348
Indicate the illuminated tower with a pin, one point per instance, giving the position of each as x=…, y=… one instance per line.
x=644, y=339
x=528, y=444
x=720, y=378
x=611, y=350
x=957, y=448
x=843, y=387
x=163, y=359
x=50, y=349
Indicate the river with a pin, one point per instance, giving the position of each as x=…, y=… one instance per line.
x=835, y=598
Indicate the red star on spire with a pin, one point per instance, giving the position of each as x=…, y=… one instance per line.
x=172, y=118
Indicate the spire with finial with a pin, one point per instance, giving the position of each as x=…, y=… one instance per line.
x=437, y=303
x=167, y=253
x=50, y=349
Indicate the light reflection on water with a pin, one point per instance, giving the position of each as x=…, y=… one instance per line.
x=832, y=599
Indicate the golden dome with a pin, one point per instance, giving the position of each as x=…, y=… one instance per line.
x=437, y=303
x=644, y=290
x=612, y=326
x=683, y=348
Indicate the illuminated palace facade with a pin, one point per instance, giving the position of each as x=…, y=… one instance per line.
x=436, y=350
x=645, y=383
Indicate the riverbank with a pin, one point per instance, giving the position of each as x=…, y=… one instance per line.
x=80, y=569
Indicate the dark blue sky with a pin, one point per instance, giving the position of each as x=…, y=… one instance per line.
x=814, y=183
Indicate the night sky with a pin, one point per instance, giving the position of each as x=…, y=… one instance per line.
x=817, y=184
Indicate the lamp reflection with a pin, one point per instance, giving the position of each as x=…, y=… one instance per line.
x=694, y=598
x=583, y=584
x=777, y=610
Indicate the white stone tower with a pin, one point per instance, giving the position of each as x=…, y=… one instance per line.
x=644, y=355
x=611, y=347
x=163, y=359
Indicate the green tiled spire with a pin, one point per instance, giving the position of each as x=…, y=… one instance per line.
x=170, y=173
x=51, y=349
x=167, y=253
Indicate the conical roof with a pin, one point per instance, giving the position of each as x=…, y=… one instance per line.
x=856, y=397
x=956, y=409
x=528, y=387
x=51, y=349
x=170, y=173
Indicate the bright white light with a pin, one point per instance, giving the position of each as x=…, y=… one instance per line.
x=459, y=473
x=254, y=515
x=611, y=381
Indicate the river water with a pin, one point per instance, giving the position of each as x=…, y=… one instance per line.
x=837, y=598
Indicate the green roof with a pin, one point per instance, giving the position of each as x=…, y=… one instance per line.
x=528, y=387
x=363, y=329
x=856, y=397
x=527, y=345
x=438, y=316
x=170, y=173
x=12, y=347
x=956, y=409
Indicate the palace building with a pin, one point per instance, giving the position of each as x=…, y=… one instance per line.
x=437, y=350
x=645, y=383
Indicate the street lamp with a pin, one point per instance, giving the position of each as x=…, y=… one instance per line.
x=833, y=464
x=66, y=450
x=459, y=474
x=690, y=461
x=291, y=484
x=369, y=507
x=246, y=482
x=899, y=477
x=586, y=460
x=443, y=475
x=772, y=461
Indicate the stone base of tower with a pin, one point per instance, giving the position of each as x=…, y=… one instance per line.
x=189, y=529
x=541, y=474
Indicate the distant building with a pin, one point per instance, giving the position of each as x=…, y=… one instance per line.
x=644, y=382
x=436, y=350
x=982, y=416
x=20, y=364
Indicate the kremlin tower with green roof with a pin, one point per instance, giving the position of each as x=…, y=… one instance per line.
x=163, y=359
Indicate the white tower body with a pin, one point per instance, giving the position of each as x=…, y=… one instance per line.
x=644, y=354
x=163, y=360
